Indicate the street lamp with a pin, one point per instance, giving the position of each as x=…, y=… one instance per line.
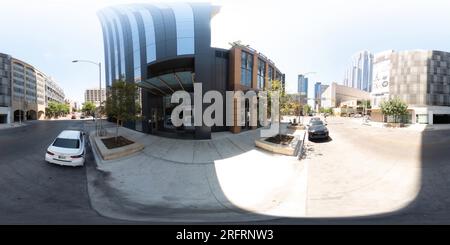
x=99, y=64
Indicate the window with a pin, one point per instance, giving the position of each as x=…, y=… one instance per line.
x=67, y=143
x=246, y=69
x=136, y=45
x=184, y=18
x=271, y=72
x=261, y=73
x=149, y=35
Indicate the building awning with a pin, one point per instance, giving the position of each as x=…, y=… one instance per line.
x=167, y=84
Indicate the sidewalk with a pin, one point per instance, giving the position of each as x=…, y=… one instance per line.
x=224, y=179
x=12, y=125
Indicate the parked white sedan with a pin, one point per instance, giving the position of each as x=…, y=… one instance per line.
x=67, y=149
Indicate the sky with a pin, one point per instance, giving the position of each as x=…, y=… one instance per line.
x=300, y=36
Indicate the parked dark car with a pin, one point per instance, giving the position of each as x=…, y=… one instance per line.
x=317, y=130
x=74, y=117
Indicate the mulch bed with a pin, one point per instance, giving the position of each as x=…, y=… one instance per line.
x=111, y=143
x=284, y=139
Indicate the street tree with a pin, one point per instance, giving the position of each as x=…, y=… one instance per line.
x=121, y=103
x=307, y=109
x=88, y=108
x=366, y=105
x=395, y=108
x=55, y=109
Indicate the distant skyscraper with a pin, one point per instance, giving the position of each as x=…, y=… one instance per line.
x=319, y=88
x=360, y=73
x=318, y=91
x=302, y=85
x=303, y=89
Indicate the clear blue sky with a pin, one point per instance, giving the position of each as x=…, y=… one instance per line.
x=299, y=36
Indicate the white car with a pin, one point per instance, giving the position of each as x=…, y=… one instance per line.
x=67, y=149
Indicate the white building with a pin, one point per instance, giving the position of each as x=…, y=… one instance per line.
x=337, y=95
x=93, y=95
x=420, y=78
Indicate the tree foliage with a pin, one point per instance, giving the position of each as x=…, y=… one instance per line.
x=306, y=109
x=55, y=109
x=88, y=108
x=394, y=107
x=326, y=110
x=121, y=103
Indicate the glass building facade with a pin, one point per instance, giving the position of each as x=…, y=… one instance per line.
x=165, y=48
x=360, y=72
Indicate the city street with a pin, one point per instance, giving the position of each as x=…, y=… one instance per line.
x=35, y=192
x=377, y=175
x=361, y=175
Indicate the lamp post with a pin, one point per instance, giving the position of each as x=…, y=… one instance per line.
x=99, y=64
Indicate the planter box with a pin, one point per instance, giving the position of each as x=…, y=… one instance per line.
x=299, y=127
x=395, y=125
x=117, y=153
x=287, y=150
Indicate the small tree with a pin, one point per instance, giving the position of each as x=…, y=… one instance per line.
x=88, y=108
x=121, y=103
x=55, y=109
x=366, y=105
x=306, y=109
x=394, y=107
x=277, y=86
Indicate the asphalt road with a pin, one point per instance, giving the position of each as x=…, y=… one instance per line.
x=35, y=192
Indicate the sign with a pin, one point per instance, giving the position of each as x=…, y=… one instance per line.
x=381, y=77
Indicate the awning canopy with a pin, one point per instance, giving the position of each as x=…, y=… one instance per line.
x=169, y=83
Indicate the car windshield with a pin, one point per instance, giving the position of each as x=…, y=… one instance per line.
x=67, y=143
x=316, y=123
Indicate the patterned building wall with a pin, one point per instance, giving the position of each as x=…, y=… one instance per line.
x=421, y=78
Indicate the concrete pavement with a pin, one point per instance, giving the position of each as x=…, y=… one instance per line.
x=361, y=172
x=225, y=179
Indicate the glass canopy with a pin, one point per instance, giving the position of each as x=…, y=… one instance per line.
x=169, y=83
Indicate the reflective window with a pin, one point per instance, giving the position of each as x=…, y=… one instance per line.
x=270, y=75
x=246, y=69
x=119, y=46
x=116, y=52
x=108, y=49
x=136, y=45
x=261, y=73
x=149, y=35
x=184, y=18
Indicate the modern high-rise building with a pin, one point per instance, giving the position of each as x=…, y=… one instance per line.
x=166, y=48
x=303, y=89
x=319, y=88
x=420, y=78
x=93, y=95
x=302, y=85
x=24, y=91
x=360, y=72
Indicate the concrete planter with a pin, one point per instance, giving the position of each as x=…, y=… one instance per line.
x=395, y=125
x=113, y=154
x=287, y=150
x=299, y=127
